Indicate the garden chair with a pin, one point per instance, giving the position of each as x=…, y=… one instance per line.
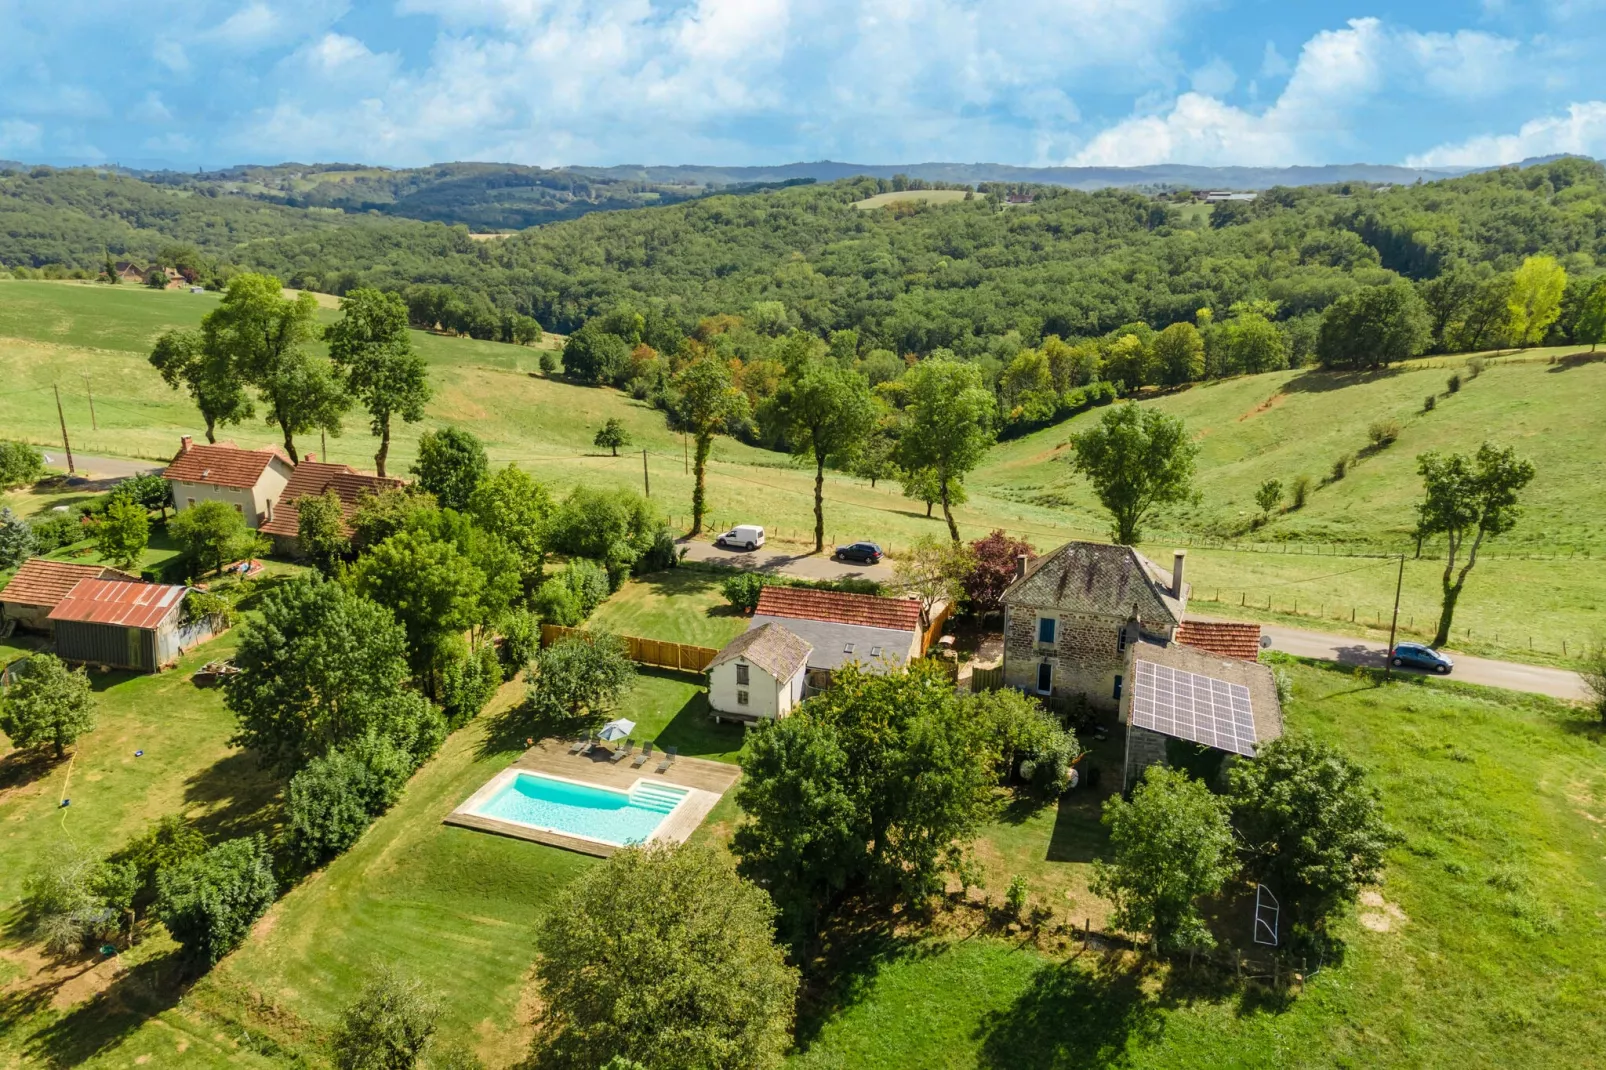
x=644, y=757
x=623, y=752
x=669, y=759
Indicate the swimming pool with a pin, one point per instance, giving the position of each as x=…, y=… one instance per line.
x=607, y=815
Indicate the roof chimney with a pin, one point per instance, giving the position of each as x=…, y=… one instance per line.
x=1020, y=565
x=185, y=444
x=308, y=458
x=1179, y=561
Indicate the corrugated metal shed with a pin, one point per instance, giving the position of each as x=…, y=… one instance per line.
x=130, y=605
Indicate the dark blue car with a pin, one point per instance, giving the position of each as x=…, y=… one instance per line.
x=1417, y=656
x=867, y=552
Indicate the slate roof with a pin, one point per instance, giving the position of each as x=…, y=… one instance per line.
x=836, y=607
x=222, y=465
x=1230, y=639
x=129, y=605
x=833, y=645
x=44, y=583
x=312, y=478
x=1097, y=578
x=771, y=647
x=1267, y=711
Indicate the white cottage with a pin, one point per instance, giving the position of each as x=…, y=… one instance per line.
x=759, y=675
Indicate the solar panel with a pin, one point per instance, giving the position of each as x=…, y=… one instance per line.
x=1193, y=707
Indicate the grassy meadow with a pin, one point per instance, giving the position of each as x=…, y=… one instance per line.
x=1279, y=425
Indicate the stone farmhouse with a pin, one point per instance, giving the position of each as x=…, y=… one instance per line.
x=313, y=478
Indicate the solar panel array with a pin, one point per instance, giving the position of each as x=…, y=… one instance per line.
x=1193, y=707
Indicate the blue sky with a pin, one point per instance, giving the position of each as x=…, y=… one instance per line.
x=1034, y=82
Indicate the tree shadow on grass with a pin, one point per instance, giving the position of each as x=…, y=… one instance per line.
x=111, y=1015
x=1576, y=360
x=25, y=765
x=853, y=955
x=1321, y=381
x=692, y=731
x=237, y=796
x=518, y=728
x=1080, y=1013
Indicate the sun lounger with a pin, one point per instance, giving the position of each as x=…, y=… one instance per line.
x=624, y=752
x=669, y=759
x=644, y=757
x=579, y=745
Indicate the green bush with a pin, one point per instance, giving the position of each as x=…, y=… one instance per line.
x=549, y=362
x=467, y=680
x=1015, y=897
x=1453, y=384
x=170, y=842
x=743, y=589
x=1430, y=403
x=387, y=1026
x=74, y=900
x=17, y=542
x=200, y=605
x=210, y=902
x=1383, y=433
x=556, y=603
x=56, y=530
x=1300, y=492
x=590, y=582
x=332, y=800
x=521, y=642
x=20, y=464
x=1340, y=469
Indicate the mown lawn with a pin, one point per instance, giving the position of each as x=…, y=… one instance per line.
x=682, y=605
x=1482, y=948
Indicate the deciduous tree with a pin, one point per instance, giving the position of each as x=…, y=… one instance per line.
x=611, y=436
x=947, y=426
x=210, y=902
x=1138, y=459
x=708, y=403
x=580, y=677
x=935, y=572
x=1534, y=300
x=184, y=361
x=451, y=462
x=513, y=505
x=388, y=1025
x=371, y=345
x=826, y=411
x=429, y=584
x=20, y=464
x=1179, y=354
x=1171, y=846
x=1468, y=498
x=995, y=558
x=1374, y=326
x=320, y=524
x=1311, y=826
x=47, y=704
x=1591, y=326
x=212, y=534
x=123, y=532
x=656, y=920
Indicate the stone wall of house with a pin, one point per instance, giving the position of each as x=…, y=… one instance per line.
x=1086, y=654
x=1143, y=749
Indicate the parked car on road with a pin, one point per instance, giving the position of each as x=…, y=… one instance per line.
x=867, y=552
x=1417, y=656
x=742, y=537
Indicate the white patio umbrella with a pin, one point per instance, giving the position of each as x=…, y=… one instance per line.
x=617, y=729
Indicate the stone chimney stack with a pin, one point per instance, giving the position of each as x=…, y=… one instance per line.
x=185, y=444
x=1179, y=561
x=1020, y=565
x=308, y=458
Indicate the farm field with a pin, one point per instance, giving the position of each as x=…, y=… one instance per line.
x=916, y=196
x=1278, y=425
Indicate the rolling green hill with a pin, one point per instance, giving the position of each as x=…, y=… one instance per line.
x=1545, y=583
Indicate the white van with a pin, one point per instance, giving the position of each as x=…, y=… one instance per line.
x=742, y=537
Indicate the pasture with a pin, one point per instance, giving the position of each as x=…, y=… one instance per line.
x=1279, y=425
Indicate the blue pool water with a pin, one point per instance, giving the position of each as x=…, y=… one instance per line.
x=617, y=817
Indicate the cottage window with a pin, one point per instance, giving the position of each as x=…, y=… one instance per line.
x=1120, y=639
x=741, y=675
x=1117, y=694
x=1046, y=629
x=190, y=502
x=237, y=509
x=1045, y=677
x=741, y=698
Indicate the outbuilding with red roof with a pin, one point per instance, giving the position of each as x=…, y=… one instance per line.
x=126, y=625
x=879, y=634
x=39, y=585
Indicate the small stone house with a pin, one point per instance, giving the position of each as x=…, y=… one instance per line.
x=758, y=676
x=311, y=479
x=1071, y=615
x=249, y=480
x=40, y=585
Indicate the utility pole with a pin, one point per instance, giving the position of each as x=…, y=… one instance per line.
x=323, y=444
x=93, y=423
x=685, y=456
x=646, y=480
x=1394, y=623
x=65, y=444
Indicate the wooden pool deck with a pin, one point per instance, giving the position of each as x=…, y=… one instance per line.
x=704, y=780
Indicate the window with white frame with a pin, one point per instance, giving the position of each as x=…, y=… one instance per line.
x=1045, y=677
x=741, y=698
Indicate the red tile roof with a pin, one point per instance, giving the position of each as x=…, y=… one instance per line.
x=313, y=478
x=1229, y=639
x=130, y=605
x=222, y=465
x=864, y=610
x=44, y=583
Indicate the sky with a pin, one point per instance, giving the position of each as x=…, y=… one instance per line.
x=212, y=83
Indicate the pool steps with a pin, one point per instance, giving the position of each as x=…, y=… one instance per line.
x=654, y=797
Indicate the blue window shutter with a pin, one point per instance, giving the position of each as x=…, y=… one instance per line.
x=1045, y=629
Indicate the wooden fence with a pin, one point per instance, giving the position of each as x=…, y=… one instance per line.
x=934, y=632
x=678, y=656
x=987, y=679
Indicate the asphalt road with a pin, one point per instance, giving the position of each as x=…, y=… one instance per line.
x=1345, y=649
x=100, y=468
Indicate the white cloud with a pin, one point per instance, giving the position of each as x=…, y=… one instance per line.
x=18, y=136
x=1582, y=130
x=150, y=109
x=1273, y=65
x=1337, y=74
x=1215, y=78
x=171, y=54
